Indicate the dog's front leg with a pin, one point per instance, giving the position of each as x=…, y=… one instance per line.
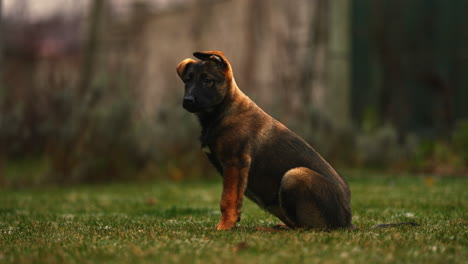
x=234, y=184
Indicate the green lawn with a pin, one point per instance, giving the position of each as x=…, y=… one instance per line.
x=168, y=222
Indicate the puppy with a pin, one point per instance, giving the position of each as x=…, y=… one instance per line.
x=257, y=155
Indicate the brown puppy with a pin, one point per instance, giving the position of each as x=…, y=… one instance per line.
x=259, y=156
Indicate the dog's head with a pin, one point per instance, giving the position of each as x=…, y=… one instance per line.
x=206, y=81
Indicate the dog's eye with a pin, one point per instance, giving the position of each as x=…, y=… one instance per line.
x=208, y=81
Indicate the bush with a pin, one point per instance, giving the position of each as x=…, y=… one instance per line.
x=460, y=139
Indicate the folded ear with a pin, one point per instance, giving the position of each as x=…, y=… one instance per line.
x=216, y=56
x=183, y=67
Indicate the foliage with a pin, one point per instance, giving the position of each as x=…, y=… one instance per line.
x=460, y=139
x=78, y=138
x=109, y=141
x=165, y=222
x=173, y=134
x=446, y=156
x=379, y=145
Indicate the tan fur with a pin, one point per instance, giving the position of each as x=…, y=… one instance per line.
x=303, y=180
x=181, y=67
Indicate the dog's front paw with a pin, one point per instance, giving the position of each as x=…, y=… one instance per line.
x=225, y=225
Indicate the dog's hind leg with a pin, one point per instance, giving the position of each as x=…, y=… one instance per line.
x=310, y=200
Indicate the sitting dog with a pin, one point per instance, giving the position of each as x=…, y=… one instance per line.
x=257, y=155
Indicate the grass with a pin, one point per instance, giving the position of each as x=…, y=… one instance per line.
x=168, y=222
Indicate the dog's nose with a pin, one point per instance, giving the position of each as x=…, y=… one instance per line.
x=189, y=101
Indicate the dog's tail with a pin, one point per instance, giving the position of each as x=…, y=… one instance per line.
x=395, y=225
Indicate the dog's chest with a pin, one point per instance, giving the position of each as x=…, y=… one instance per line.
x=209, y=152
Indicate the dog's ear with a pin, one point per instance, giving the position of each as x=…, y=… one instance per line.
x=216, y=56
x=183, y=67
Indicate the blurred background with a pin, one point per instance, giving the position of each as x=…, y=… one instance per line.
x=89, y=91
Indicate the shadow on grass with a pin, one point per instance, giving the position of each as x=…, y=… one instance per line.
x=7, y=211
x=173, y=212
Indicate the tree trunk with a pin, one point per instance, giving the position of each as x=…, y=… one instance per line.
x=337, y=97
x=253, y=37
x=91, y=46
x=313, y=66
x=2, y=143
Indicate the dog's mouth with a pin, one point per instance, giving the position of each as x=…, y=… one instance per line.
x=194, y=109
x=191, y=108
